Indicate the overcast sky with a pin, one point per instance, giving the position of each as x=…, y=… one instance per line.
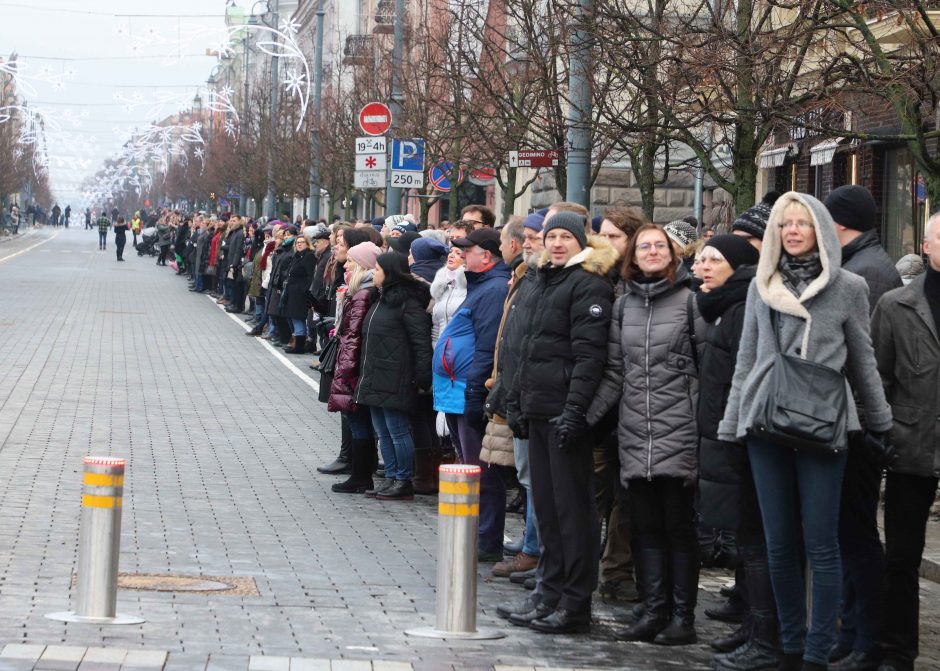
x=80, y=57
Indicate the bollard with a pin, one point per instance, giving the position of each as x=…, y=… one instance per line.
x=458, y=519
x=99, y=545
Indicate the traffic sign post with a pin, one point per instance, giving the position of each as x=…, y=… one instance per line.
x=408, y=155
x=534, y=158
x=375, y=119
x=440, y=175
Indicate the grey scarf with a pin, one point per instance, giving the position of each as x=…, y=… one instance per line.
x=798, y=273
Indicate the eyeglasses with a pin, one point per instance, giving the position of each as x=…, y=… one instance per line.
x=646, y=246
x=801, y=224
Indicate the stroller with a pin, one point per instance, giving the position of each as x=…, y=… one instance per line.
x=148, y=243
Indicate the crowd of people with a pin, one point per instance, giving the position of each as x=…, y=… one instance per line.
x=664, y=401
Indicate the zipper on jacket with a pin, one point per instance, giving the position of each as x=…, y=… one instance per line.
x=649, y=411
x=365, y=349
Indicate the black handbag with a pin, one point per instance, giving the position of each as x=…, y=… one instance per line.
x=806, y=408
x=328, y=356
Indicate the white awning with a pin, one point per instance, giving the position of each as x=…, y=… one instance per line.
x=823, y=152
x=773, y=158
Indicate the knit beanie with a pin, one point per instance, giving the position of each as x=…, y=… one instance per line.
x=681, y=232
x=571, y=222
x=405, y=227
x=753, y=220
x=736, y=250
x=378, y=223
x=402, y=244
x=427, y=249
x=534, y=221
x=909, y=267
x=365, y=254
x=852, y=206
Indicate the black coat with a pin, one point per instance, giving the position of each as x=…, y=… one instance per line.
x=298, y=277
x=318, y=289
x=723, y=467
x=865, y=257
x=562, y=360
x=396, y=348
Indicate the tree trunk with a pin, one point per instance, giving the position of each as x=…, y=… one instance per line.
x=509, y=193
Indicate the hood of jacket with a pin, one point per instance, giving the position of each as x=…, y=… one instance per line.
x=768, y=279
x=400, y=292
x=598, y=257
x=442, y=280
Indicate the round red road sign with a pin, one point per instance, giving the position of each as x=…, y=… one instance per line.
x=483, y=176
x=375, y=119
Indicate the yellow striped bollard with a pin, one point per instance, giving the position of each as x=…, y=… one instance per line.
x=99, y=544
x=458, y=519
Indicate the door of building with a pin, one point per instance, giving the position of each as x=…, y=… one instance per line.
x=899, y=234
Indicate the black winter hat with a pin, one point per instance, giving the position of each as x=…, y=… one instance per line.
x=571, y=222
x=852, y=206
x=753, y=220
x=736, y=250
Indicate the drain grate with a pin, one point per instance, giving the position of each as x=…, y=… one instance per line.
x=168, y=582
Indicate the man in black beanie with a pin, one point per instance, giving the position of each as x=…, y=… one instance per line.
x=854, y=212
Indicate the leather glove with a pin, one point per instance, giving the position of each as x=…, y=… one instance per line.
x=569, y=426
x=879, y=446
x=516, y=422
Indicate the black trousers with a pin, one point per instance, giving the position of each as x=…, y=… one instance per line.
x=569, y=529
x=908, y=499
x=663, y=514
x=164, y=250
x=863, y=559
x=119, y=242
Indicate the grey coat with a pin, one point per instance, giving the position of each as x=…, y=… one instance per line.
x=651, y=373
x=828, y=324
x=908, y=353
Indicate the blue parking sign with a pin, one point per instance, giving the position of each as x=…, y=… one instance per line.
x=408, y=155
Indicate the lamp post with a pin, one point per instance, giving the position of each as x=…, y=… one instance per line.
x=313, y=207
x=579, y=110
x=393, y=193
x=271, y=197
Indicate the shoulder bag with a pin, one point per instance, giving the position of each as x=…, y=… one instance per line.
x=806, y=408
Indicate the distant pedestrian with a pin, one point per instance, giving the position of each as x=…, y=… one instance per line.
x=87, y=219
x=56, y=213
x=104, y=225
x=120, y=237
x=136, y=225
x=164, y=238
x=68, y=215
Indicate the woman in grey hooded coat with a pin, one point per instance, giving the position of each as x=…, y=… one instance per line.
x=821, y=315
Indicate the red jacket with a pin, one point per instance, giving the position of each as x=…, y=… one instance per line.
x=346, y=372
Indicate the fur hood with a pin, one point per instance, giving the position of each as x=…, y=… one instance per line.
x=441, y=282
x=598, y=257
x=768, y=279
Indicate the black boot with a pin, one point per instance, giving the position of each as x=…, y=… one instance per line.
x=297, y=346
x=732, y=641
x=427, y=461
x=650, y=573
x=681, y=629
x=363, y=462
x=343, y=463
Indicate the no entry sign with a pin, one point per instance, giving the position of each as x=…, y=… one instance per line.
x=375, y=119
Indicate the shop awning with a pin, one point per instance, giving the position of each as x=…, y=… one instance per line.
x=823, y=152
x=774, y=158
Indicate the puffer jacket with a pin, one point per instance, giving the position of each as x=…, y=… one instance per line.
x=349, y=331
x=724, y=468
x=865, y=257
x=824, y=325
x=297, y=280
x=562, y=360
x=651, y=372
x=449, y=290
x=396, y=348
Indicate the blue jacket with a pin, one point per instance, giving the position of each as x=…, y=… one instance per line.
x=463, y=357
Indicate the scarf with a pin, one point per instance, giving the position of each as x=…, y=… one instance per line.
x=268, y=248
x=798, y=273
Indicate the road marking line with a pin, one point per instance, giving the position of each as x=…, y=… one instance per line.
x=277, y=355
x=23, y=251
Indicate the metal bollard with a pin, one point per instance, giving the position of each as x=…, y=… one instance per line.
x=458, y=520
x=99, y=545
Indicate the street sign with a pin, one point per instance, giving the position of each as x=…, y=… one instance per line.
x=440, y=175
x=408, y=155
x=371, y=161
x=482, y=176
x=533, y=158
x=407, y=179
x=369, y=179
x=375, y=119
x=370, y=145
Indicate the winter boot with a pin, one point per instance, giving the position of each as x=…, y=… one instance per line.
x=256, y=331
x=363, y=461
x=427, y=461
x=681, y=629
x=343, y=463
x=651, y=572
x=297, y=346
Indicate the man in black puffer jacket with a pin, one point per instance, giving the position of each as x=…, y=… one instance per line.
x=853, y=210
x=561, y=366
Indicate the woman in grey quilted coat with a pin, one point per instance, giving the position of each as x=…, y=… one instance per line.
x=651, y=372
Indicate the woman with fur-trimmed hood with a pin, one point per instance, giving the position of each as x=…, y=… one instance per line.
x=821, y=315
x=560, y=366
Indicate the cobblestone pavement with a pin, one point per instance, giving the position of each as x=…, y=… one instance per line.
x=99, y=357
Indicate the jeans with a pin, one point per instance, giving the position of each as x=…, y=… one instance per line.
x=102, y=240
x=299, y=327
x=908, y=499
x=469, y=442
x=393, y=429
x=787, y=483
x=530, y=542
x=119, y=242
